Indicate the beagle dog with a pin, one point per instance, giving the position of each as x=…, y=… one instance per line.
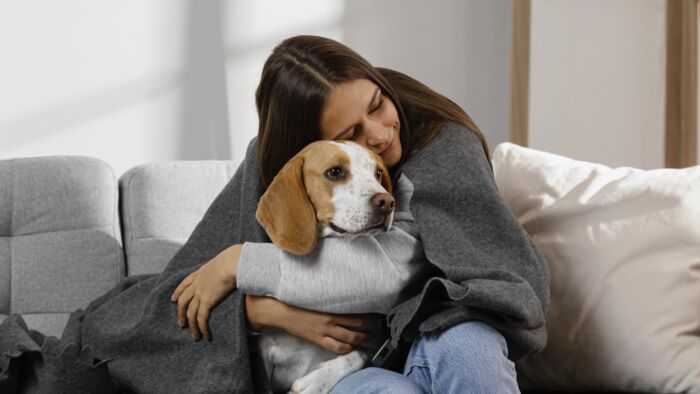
x=330, y=188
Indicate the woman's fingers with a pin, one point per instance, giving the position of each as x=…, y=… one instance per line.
x=182, y=306
x=351, y=321
x=334, y=345
x=365, y=322
x=192, y=317
x=203, y=319
x=191, y=311
x=182, y=286
x=345, y=335
x=358, y=331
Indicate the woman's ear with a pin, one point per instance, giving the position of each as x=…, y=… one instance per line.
x=285, y=211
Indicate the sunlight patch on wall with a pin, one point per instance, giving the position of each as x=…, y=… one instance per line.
x=252, y=30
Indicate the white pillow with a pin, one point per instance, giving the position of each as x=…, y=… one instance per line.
x=623, y=248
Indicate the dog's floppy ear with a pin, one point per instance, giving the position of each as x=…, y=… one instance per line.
x=285, y=210
x=386, y=179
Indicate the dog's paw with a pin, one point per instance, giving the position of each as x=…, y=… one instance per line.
x=319, y=380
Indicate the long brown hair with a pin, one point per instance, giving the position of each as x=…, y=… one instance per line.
x=301, y=74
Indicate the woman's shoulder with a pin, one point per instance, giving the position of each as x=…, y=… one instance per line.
x=456, y=133
x=454, y=151
x=451, y=139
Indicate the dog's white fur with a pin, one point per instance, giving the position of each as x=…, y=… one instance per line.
x=292, y=361
x=352, y=201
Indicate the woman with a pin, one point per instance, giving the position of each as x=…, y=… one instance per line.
x=485, y=306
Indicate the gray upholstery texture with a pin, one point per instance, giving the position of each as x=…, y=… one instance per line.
x=161, y=203
x=63, y=219
x=60, y=238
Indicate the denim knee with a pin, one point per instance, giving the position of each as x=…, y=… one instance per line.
x=483, y=339
x=467, y=357
x=376, y=380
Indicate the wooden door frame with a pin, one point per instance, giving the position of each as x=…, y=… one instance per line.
x=681, y=83
x=681, y=116
x=520, y=72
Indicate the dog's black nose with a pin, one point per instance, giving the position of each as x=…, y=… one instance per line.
x=383, y=203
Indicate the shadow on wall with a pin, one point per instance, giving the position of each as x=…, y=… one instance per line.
x=204, y=126
x=49, y=120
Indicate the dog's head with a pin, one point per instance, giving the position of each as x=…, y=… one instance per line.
x=330, y=187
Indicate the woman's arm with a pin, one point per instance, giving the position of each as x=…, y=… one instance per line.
x=201, y=290
x=335, y=332
x=341, y=275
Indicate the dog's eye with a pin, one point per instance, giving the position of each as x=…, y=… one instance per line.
x=378, y=175
x=335, y=173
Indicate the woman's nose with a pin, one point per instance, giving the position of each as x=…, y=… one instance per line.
x=377, y=135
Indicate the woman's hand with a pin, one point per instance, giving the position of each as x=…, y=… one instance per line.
x=335, y=332
x=200, y=291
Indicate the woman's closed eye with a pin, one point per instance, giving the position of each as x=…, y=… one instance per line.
x=353, y=133
x=379, y=106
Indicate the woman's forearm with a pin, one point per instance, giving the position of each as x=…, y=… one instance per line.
x=233, y=254
x=365, y=274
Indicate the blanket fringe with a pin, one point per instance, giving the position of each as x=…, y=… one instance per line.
x=32, y=361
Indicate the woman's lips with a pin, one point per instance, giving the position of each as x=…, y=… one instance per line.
x=388, y=148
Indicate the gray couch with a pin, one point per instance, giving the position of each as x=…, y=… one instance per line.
x=70, y=231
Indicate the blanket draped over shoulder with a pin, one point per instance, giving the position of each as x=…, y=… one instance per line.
x=128, y=340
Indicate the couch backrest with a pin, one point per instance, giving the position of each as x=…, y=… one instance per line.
x=60, y=240
x=63, y=219
x=161, y=203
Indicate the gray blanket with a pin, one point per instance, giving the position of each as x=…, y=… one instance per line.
x=128, y=340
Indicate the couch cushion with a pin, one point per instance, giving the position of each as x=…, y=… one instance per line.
x=162, y=203
x=60, y=241
x=623, y=247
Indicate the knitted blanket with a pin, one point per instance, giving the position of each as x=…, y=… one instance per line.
x=128, y=340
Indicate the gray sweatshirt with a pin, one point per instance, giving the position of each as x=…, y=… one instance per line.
x=364, y=274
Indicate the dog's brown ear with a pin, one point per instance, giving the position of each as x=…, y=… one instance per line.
x=285, y=210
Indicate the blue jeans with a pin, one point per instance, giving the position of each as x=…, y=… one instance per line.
x=470, y=357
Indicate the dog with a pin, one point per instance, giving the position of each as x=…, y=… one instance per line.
x=328, y=189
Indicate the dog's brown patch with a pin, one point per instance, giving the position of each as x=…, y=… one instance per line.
x=320, y=159
x=301, y=195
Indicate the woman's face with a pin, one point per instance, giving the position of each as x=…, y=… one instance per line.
x=358, y=111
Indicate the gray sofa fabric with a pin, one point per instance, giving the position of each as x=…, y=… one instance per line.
x=60, y=237
x=160, y=206
x=63, y=219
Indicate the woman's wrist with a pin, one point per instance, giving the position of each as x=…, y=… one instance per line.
x=254, y=318
x=265, y=312
x=233, y=255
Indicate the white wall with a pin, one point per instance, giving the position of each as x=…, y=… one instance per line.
x=102, y=79
x=253, y=29
x=459, y=48
x=132, y=82
x=178, y=80
x=597, y=80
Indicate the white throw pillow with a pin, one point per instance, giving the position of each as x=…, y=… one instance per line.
x=623, y=248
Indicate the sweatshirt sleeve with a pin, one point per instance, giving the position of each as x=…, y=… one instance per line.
x=363, y=274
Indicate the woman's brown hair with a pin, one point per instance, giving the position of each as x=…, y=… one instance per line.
x=301, y=74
